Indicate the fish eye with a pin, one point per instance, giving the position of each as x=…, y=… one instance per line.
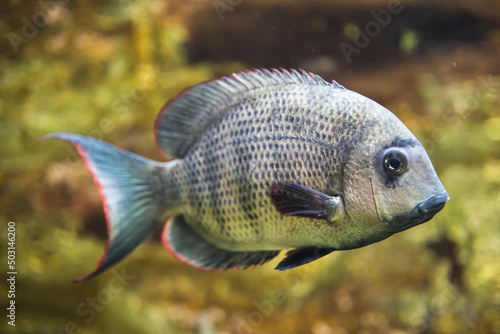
x=395, y=162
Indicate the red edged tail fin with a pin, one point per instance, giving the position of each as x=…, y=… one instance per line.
x=132, y=198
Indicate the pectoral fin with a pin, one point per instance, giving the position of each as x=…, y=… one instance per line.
x=300, y=256
x=292, y=199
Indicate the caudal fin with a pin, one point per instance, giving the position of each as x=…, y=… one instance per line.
x=130, y=187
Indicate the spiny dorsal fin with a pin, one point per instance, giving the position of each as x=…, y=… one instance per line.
x=186, y=116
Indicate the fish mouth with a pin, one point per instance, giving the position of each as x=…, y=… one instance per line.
x=433, y=205
x=422, y=213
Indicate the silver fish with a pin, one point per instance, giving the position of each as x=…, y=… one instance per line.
x=262, y=161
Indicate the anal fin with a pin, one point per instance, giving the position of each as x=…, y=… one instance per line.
x=300, y=256
x=189, y=247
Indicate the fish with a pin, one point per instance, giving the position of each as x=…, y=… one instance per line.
x=262, y=161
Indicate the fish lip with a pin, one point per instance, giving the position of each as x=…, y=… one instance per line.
x=423, y=212
x=433, y=205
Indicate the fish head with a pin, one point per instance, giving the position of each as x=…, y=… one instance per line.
x=405, y=187
x=389, y=182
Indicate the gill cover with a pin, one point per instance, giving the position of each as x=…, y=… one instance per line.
x=405, y=184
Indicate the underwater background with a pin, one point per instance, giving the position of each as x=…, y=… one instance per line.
x=105, y=68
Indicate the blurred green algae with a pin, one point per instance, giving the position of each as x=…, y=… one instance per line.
x=105, y=69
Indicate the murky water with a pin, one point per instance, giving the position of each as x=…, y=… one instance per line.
x=105, y=69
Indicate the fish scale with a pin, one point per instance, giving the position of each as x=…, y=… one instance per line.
x=266, y=146
x=262, y=161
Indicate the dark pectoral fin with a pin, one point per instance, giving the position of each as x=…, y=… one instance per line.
x=292, y=199
x=301, y=256
x=189, y=247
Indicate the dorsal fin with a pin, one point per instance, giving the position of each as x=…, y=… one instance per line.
x=186, y=116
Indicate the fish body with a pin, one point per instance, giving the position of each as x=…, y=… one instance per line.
x=263, y=161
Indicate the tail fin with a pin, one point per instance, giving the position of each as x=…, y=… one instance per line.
x=128, y=185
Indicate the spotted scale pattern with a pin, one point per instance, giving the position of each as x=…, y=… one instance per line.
x=298, y=132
